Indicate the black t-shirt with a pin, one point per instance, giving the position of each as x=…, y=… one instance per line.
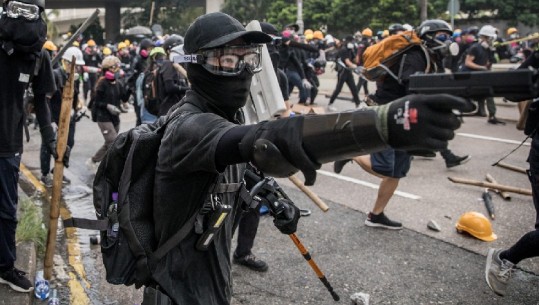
x=390, y=89
x=186, y=167
x=16, y=73
x=480, y=54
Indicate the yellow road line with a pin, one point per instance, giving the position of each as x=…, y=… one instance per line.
x=77, y=292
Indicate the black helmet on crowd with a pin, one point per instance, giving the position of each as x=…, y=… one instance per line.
x=429, y=27
x=395, y=27
x=269, y=29
x=145, y=44
x=217, y=29
x=172, y=41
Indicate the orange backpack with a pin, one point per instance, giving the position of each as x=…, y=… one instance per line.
x=378, y=58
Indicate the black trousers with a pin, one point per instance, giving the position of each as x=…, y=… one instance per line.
x=247, y=232
x=345, y=76
x=9, y=198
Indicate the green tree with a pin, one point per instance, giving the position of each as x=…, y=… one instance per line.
x=524, y=11
x=247, y=10
x=94, y=31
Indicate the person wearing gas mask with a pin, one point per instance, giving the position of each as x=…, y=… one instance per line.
x=479, y=57
x=138, y=66
x=204, y=150
x=172, y=81
x=345, y=65
x=109, y=94
x=22, y=61
x=55, y=103
x=393, y=164
x=93, y=59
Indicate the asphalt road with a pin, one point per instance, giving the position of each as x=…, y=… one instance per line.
x=412, y=266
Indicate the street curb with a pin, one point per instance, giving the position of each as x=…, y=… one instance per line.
x=26, y=261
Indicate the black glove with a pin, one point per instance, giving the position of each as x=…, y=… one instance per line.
x=48, y=137
x=287, y=136
x=287, y=219
x=66, y=156
x=420, y=122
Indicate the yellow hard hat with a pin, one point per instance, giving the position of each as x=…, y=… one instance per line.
x=308, y=32
x=385, y=33
x=49, y=45
x=127, y=42
x=477, y=225
x=511, y=31
x=76, y=43
x=367, y=32
x=309, y=37
x=91, y=43
x=318, y=35
x=121, y=45
x=107, y=51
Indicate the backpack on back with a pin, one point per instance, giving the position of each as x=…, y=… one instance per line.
x=150, y=93
x=123, y=200
x=380, y=57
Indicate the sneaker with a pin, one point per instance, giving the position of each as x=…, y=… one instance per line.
x=46, y=180
x=497, y=271
x=251, y=262
x=331, y=108
x=66, y=180
x=381, y=221
x=454, y=160
x=339, y=164
x=92, y=165
x=494, y=120
x=16, y=279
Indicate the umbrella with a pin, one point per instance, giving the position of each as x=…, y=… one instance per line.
x=139, y=30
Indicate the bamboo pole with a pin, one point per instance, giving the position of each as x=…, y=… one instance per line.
x=512, y=167
x=504, y=195
x=63, y=131
x=312, y=195
x=489, y=185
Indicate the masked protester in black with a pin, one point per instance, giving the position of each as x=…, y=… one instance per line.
x=22, y=34
x=205, y=147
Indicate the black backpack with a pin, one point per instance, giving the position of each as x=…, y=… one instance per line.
x=150, y=92
x=128, y=243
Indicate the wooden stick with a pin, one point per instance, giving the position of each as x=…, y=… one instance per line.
x=512, y=167
x=504, y=195
x=321, y=204
x=63, y=131
x=496, y=186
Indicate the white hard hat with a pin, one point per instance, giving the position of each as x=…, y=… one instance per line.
x=489, y=31
x=68, y=55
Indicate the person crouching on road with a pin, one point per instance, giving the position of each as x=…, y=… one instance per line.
x=109, y=94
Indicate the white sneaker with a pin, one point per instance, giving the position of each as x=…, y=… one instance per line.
x=331, y=108
x=92, y=165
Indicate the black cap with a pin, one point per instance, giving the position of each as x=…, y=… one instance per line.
x=217, y=29
x=293, y=26
x=269, y=29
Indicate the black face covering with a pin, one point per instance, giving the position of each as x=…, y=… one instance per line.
x=23, y=35
x=226, y=94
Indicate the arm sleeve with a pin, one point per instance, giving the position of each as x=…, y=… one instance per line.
x=228, y=151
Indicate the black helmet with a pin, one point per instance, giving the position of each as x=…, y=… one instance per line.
x=145, y=44
x=217, y=29
x=173, y=41
x=428, y=27
x=395, y=27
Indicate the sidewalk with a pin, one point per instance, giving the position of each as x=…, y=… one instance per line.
x=26, y=261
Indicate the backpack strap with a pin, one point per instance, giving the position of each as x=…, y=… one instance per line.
x=90, y=224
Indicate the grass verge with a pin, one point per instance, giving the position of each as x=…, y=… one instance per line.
x=31, y=227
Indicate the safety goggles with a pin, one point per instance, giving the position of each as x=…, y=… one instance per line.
x=16, y=9
x=228, y=60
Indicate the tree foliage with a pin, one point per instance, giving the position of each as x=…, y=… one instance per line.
x=524, y=11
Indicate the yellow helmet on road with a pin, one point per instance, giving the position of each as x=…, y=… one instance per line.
x=477, y=225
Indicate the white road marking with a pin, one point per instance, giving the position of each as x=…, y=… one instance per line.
x=365, y=183
x=474, y=136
